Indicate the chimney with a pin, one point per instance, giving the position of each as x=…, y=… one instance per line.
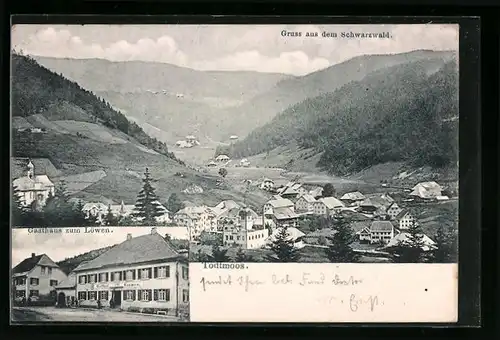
x=154, y=231
x=33, y=255
x=129, y=237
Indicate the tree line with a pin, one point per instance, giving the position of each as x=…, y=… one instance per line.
x=395, y=114
x=35, y=89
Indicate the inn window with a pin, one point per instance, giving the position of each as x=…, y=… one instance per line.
x=34, y=292
x=185, y=295
x=130, y=275
x=162, y=272
x=144, y=273
x=34, y=281
x=162, y=294
x=129, y=295
x=82, y=295
x=42, y=269
x=82, y=279
x=92, y=295
x=53, y=283
x=145, y=295
x=103, y=277
x=92, y=278
x=21, y=281
x=49, y=271
x=20, y=293
x=103, y=295
x=117, y=276
x=227, y=237
x=185, y=273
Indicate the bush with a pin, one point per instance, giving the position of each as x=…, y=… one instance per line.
x=148, y=311
x=87, y=303
x=41, y=303
x=134, y=309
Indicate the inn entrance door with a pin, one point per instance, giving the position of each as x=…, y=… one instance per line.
x=116, y=297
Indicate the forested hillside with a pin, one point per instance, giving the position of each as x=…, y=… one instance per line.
x=36, y=90
x=396, y=114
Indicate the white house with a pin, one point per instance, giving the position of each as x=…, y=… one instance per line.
x=427, y=190
x=352, y=197
x=241, y=227
x=293, y=234
x=327, y=206
x=97, y=210
x=278, y=203
x=233, y=137
x=305, y=203
x=381, y=231
x=428, y=243
x=244, y=163
x=34, y=189
x=404, y=220
x=267, y=184
x=292, y=190
x=141, y=272
x=211, y=164
x=222, y=158
x=196, y=219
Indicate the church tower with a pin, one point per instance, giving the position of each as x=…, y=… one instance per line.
x=31, y=170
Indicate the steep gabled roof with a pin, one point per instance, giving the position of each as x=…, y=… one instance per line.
x=29, y=263
x=280, y=203
x=140, y=249
x=331, y=202
x=381, y=226
x=308, y=198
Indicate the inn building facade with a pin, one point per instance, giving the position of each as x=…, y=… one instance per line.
x=142, y=272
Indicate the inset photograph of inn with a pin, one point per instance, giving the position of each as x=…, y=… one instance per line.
x=126, y=274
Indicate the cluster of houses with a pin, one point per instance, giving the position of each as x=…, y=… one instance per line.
x=141, y=272
x=189, y=142
x=224, y=160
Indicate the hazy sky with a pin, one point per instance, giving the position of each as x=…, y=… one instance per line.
x=65, y=245
x=224, y=47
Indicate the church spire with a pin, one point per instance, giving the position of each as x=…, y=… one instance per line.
x=31, y=170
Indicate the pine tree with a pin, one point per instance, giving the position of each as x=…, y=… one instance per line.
x=340, y=249
x=283, y=248
x=147, y=205
x=174, y=204
x=58, y=211
x=242, y=257
x=18, y=211
x=110, y=218
x=445, y=247
x=79, y=217
x=411, y=249
x=328, y=190
x=218, y=254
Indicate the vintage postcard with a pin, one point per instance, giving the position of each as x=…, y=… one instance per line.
x=311, y=172
x=121, y=274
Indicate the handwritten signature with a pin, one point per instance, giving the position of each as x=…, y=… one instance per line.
x=228, y=280
x=354, y=302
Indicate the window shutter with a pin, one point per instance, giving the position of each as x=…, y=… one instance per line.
x=139, y=295
x=133, y=295
x=107, y=277
x=95, y=277
x=167, y=295
x=150, y=273
x=167, y=270
x=150, y=295
x=155, y=295
x=88, y=278
x=138, y=274
x=155, y=273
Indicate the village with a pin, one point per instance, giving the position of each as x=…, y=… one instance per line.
x=379, y=221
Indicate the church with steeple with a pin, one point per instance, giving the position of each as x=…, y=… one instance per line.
x=33, y=188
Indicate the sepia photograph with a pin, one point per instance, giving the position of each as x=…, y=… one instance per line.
x=119, y=274
x=281, y=144
x=270, y=157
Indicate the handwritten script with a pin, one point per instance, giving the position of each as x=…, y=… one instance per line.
x=304, y=279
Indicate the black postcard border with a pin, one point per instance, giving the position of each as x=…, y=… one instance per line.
x=470, y=168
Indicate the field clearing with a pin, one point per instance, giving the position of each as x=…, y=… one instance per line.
x=90, y=130
x=39, y=121
x=20, y=123
x=76, y=183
